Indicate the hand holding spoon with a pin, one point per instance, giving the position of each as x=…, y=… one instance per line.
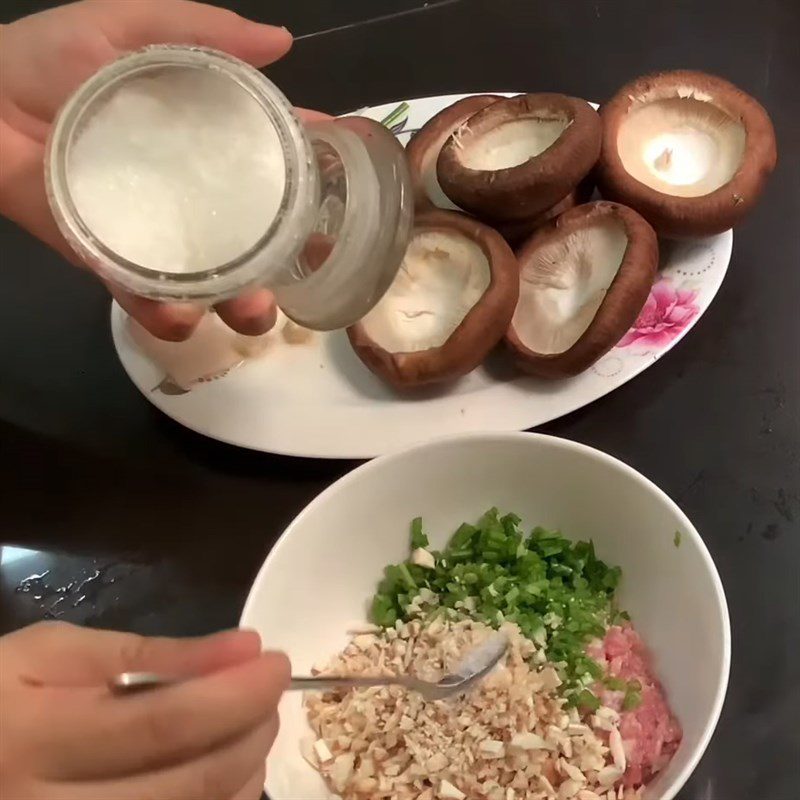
x=474, y=666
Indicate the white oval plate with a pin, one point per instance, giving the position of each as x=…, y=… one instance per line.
x=318, y=400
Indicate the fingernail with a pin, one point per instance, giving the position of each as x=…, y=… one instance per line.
x=273, y=27
x=250, y=631
x=251, y=315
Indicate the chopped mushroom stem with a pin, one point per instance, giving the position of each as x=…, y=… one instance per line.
x=510, y=736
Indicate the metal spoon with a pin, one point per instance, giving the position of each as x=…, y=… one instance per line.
x=477, y=663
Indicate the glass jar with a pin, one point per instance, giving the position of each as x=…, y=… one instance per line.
x=342, y=224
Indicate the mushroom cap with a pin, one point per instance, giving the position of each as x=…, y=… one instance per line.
x=425, y=145
x=584, y=278
x=520, y=156
x=518, y=231
x=450, y=304
x=724, y=151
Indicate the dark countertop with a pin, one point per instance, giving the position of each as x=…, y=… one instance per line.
x=148, y=527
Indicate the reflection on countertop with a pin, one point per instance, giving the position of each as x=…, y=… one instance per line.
x=146, y=596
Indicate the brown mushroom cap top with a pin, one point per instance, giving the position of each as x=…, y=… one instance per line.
x=517, y=231
x=584, y=278
x=425, y=145
x=459, y=286
x=520, y=156
x=731, y=153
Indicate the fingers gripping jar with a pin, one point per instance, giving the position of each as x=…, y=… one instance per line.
x=181, y=173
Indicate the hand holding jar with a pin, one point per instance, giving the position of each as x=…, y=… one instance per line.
x=45, y=57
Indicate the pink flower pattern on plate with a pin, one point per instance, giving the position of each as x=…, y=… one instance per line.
x=664, y=316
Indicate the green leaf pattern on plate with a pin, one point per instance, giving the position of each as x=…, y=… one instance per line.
x=397, y=118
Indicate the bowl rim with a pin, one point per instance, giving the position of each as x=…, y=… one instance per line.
x=566, y=444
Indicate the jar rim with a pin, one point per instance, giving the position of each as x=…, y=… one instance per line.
x=374, y=230
x=282, y=237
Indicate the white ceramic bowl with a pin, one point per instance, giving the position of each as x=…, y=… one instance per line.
x=320, y=576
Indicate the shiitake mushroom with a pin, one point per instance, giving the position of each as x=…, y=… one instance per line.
x=517, y=231
x=690, y=152
x=425, y=145
x=520, y=156
x=449, y=305
x=584, y=278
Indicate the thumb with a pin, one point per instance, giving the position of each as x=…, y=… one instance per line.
x=88, y=657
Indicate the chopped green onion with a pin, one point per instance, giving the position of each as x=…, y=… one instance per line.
x=587, y=701
x=418, y=537
x=384, y=612
x=632, y=700
x=405, y=574
x=558, y=592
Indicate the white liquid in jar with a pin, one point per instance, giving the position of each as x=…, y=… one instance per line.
x=177, y=170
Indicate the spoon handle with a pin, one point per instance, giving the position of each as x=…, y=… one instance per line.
x=317, y=684
x=131, y=682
